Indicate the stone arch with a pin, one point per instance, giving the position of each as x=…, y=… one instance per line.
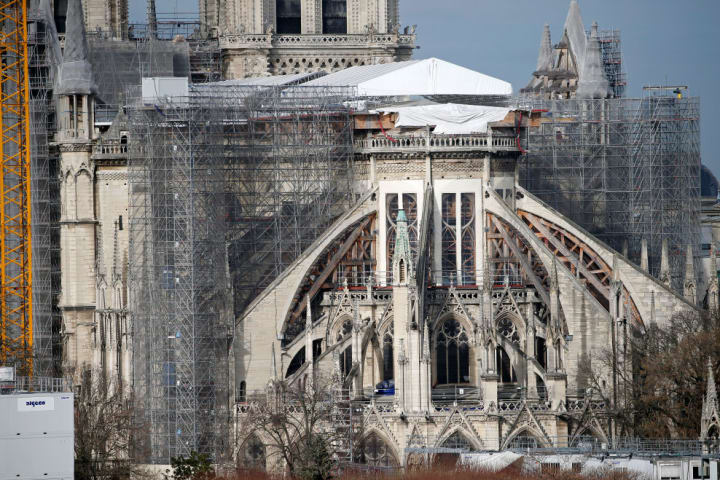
x=68, y=196
x=510, y=325
x=453, y=351
x=525, y=432
x=475, y=442
x=84, y=194
x=379, y=441
x=252, y=454
x=588, y=433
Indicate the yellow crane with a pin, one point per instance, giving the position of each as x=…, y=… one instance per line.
x=16, y=326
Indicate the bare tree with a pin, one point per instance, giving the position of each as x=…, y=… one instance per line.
x=303, y=428
x=105, y=431
x=663, y=383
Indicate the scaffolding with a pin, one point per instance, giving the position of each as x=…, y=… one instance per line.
x=611, y=49
x=44, y=57
x=228, y=186
x=623, y=169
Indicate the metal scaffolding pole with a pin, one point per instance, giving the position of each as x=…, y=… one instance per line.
x=623, y=169
x=227, y=188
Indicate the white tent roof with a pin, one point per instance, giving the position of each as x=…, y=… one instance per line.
x=416, y=77
x=276, y=80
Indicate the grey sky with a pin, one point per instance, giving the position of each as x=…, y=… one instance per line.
x=664, y=41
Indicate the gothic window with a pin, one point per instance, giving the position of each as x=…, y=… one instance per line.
x=506, y=327
x=410, y=208
x=504, y=367
x=334, y=14
x=288, y=16
x=523, y=442
x=388, y=365
x=375, y=452
x=464, y=226
x=453, y=353
x=254, y=454
x=449, y=244
x=458, y=441
x=467, y=212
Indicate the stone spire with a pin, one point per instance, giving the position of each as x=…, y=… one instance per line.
x=403, y=268
x=273, y=364
x=711, y=398
x=575, y=33
x=309, y=341
x=711, y=406
x=426, y=344
x=75, y=72
x=713, y=288
x=592, y=82
x=545, y=57
x=665, y=263
x=690, y=284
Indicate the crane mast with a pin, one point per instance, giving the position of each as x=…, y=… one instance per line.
x=16, y=323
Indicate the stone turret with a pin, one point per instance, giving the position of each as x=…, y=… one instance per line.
x=75, y=85
x=75, y=93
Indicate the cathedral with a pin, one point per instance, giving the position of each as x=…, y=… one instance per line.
x=458, y=309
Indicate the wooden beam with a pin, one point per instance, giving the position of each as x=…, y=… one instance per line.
x=329, y=268
x=524, y=261
x=604, y=290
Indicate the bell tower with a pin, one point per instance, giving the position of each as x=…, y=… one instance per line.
x=280, y=37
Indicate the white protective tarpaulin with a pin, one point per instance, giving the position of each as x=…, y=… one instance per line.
x=489, y=462
x=448, y=119
x=415, y=78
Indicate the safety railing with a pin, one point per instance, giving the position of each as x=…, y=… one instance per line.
x=36, y=385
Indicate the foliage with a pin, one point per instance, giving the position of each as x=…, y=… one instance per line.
x=104, y=430
x=195, y=467
x=298, y=426
x=663, y=383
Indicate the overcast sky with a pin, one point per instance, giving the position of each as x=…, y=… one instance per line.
x=664, y=41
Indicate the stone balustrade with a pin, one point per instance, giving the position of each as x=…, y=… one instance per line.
x=110, y=149
x=314, y=41
x=435, y=143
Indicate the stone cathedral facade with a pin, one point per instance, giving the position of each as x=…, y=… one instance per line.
x=458, y=308
x=464, y=311
x=279, y=37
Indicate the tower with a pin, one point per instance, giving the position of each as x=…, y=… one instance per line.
x=277, y=37
x=108, y=18
x=76, y=90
